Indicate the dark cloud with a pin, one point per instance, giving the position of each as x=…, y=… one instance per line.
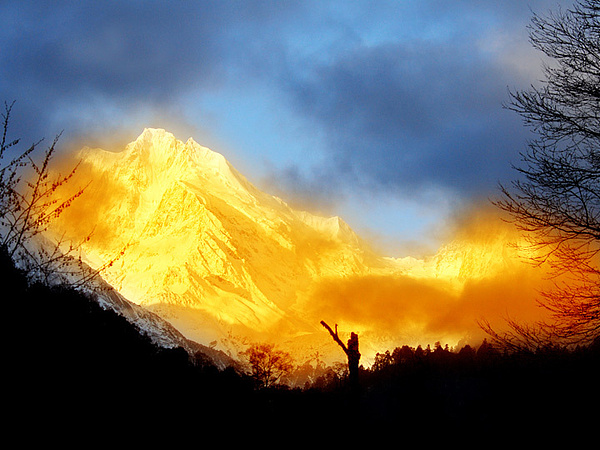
x=408, y=97
x=62, y=60
x=409, y=115
x=422, y=109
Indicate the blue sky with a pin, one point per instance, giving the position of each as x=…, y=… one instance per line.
x=387, y=113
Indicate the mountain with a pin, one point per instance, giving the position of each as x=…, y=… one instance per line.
x=194, y=242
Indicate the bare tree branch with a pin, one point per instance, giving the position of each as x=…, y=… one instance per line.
x=556, y=199
x=29, y=202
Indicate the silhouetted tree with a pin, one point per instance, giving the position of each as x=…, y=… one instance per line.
x=268, y=365
x=28, y=205
x=403, y=355
x=419, y=353
x=29, y=202
x=556, y=201
x=467, y=353
x=382, y=361
x=351, y=351
x=486, y=351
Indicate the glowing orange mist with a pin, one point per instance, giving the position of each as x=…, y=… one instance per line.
x=208, y=250
x=481, y=274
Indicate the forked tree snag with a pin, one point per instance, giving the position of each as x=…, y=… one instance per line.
x=351, y=351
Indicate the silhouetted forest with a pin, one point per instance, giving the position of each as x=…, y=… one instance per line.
x=73, y=364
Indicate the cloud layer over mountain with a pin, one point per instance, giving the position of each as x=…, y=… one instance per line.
x=332, y=101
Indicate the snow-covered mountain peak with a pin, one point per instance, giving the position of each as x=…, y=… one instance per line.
x=163, y=150
x=217, y=257
x=204, y=245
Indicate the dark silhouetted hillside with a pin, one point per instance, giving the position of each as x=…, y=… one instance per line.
x=71, y=364
x=68, y=359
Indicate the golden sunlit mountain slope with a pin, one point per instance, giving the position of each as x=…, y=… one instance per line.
x=226, y=263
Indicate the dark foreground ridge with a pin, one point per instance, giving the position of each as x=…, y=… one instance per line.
x=73, y=364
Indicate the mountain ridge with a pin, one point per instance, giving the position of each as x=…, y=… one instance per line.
x=221, y=260
x=199, y=236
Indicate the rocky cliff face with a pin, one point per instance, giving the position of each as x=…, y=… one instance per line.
x=202, y=246
x=221, y=260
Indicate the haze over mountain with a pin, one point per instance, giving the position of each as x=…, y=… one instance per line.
x=226, y=263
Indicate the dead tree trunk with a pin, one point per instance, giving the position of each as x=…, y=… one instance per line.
x=351, y=351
